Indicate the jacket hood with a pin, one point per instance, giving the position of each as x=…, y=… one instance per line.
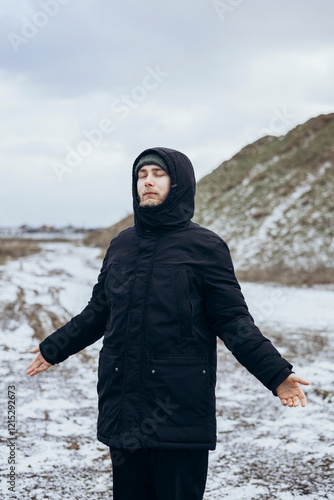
x=178, y=208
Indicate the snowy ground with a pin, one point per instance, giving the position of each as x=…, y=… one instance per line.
x=264, y=451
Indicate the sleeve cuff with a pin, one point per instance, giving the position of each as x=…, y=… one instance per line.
x=49, y=351
x=278, y=379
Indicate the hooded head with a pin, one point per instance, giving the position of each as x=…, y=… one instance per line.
x=178, y=207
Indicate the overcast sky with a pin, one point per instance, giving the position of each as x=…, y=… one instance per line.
x=86, y=85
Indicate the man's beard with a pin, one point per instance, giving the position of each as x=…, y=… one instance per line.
x=151, y=202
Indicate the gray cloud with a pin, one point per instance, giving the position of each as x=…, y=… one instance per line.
x=234, y=75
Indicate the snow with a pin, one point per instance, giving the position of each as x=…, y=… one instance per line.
x=264, y=451
x=291, y=307
x=248, y=247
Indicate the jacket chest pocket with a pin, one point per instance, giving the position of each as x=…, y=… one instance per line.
x=183, y=303
x=177, y=388
x=169, y=310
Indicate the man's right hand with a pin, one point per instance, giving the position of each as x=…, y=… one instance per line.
x=38, y=365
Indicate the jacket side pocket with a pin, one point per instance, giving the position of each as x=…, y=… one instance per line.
x=177, y=389
x=109, y=389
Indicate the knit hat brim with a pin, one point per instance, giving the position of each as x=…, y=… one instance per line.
x=151, y=159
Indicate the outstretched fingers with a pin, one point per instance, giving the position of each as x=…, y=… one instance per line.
x=38, y=365
x=300, y=380
x=293, y=401
x=301, y=396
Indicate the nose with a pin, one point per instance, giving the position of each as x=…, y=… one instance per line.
x=149, y=180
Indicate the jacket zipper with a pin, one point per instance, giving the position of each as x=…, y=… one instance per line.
x=143, y=337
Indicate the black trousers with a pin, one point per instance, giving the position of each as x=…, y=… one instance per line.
x=146, y=474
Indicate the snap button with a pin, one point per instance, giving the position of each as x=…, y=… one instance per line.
x=153, y=371
x=204, y=372
x=116, y=369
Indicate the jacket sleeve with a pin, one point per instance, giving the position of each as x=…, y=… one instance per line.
x=230, y=320
x=82, y=330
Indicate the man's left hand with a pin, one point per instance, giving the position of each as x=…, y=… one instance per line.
x=290, y=392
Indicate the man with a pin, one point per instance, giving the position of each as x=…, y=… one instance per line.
x=166, y=290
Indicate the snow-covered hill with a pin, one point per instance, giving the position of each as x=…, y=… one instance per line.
x=273, y=204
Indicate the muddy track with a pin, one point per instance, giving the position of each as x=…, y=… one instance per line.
x=38, y=317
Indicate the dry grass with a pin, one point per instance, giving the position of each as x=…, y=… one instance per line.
x=292, y=276
x=102, y=237
x=14, y=248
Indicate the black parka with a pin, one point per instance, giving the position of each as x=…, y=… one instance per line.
x=166, y=290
